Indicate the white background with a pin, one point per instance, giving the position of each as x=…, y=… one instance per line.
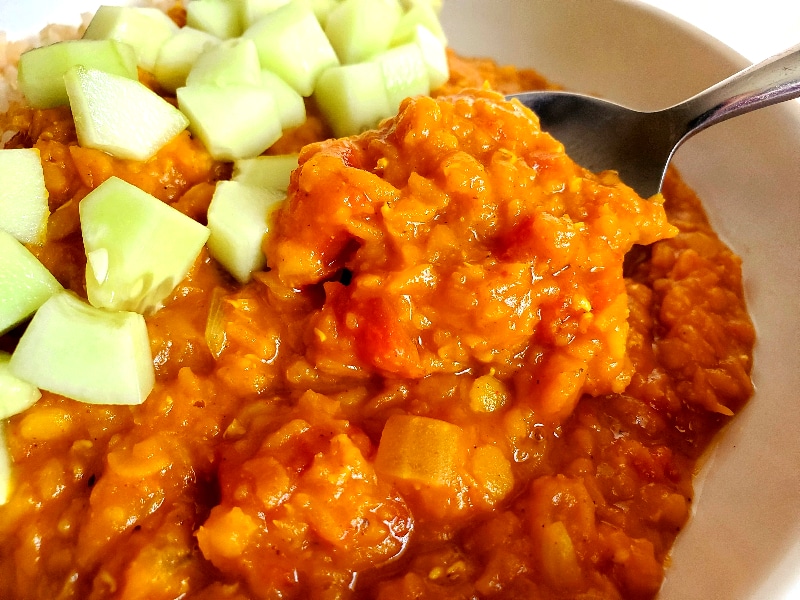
x=756, y=29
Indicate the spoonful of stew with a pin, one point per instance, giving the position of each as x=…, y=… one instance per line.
x=601, y=135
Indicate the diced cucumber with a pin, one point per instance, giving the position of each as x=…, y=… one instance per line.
x=271, y=172
x=146, y=29
x=290, y=105
x=23, y=200
x=419, y=14
x=86, y=353
x=253, y=10
x=178, y=55
x=41, y=70
x=436, y=5
x=119, y=115
x=16, y=395
x=359, y=29
x=323, y=8
x=291, y=43
x=233, y=122
x=238, y=219
x=353, y=98
x=217, y=17
x=137, y=247
x=434, y=54
x=25, y=284
x=233, y=62
x=404, y=73
x=5, y=467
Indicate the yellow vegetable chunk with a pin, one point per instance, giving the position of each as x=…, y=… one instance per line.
x=493, y=472
x=421, y=450
x=559, y=561
x=239, y=527
x=5, y=467
x=487, y=394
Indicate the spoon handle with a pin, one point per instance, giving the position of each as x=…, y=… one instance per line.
x=774, y=80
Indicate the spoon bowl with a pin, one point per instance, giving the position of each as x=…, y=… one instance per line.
x=602, y=135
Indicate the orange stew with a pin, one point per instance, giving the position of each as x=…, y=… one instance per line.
x=472, y=370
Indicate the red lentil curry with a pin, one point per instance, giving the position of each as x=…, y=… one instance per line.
x=442, y=387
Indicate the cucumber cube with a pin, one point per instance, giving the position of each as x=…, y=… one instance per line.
x=434, y=54
x=271, y=172
x=291, y=43
x=137, y=247
x=178, y=55
x=238, y=219
x=404, y=73
x=353, y=98
x=359, y=29
x=290, y=105
x=120, y=116
x=233, y=121
x=23, y=199
x=25, y=283
x=419, y=14
x=232, y=62
x=254, y=10
x=16, y=395
x=41, y=70
x=86, y=353
x=436, y=5
x=146, y=29
x=5, y=467
x=217, y=17
x=323, y=8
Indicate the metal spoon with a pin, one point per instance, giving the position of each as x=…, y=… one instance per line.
x=601, y=135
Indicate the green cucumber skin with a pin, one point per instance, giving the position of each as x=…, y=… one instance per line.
x=41, y=70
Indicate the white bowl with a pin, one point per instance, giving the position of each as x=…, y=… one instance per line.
x=744, y=538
